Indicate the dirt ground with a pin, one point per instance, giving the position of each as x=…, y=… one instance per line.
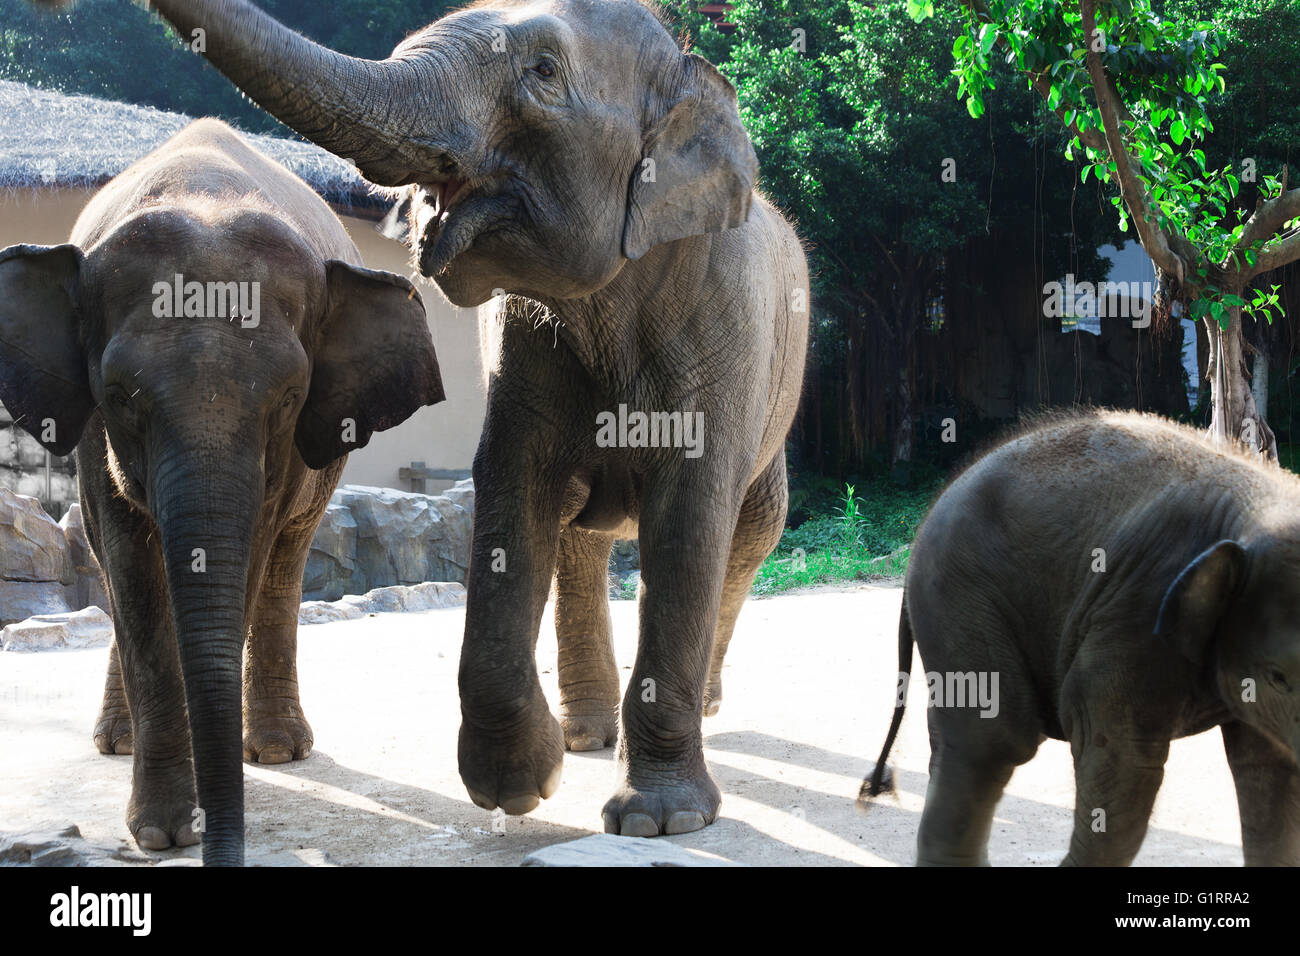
x=808, y=691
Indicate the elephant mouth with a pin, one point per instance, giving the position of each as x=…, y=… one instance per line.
x=443, y=195
x=448, y=218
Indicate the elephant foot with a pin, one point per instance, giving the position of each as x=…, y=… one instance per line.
x=515, y=766
x=583, y=732
x=677, y=805
x=712, y=698
x=271, y=738
x=165, y=819
x=113, y=729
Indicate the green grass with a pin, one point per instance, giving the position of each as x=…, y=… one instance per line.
x=867, y=536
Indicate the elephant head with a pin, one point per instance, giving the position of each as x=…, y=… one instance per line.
x=1233, y=611
x=544, y=144
x=212, y=414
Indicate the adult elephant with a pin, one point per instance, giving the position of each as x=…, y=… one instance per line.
x=568, y=154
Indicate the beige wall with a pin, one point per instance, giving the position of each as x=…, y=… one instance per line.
x=443, y=436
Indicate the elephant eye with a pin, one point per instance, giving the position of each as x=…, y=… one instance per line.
x=1278, y=680
x=544, y=68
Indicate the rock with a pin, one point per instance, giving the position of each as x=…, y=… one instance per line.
x=90, y=627
x=87, y=587
x=332, y=562
x=432, y=595
x=19, y=600
x=606, y=849
x=625, y=557
x=422, y=597
x=407, y=538
x=327, y=612
x=383, y=600
x=52, y=845
x=462, y=494
x=32, y=545
x=373, y=538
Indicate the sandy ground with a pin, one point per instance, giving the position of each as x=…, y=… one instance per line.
x=808, y=693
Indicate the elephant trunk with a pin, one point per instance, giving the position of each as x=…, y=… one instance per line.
x=206, y=511
x=357, y=109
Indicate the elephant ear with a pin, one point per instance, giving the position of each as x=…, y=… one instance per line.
x=698, y=169
x=1195, y=602
x=373, y=366
x=43, y=378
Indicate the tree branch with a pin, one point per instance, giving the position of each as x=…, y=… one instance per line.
x=1278, y=254
x=1267, y=220
x=1158, y=245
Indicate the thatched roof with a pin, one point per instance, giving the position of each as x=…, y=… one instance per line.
x=49, y=139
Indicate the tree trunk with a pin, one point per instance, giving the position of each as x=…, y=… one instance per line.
x=1236, y=415
x=903, y=415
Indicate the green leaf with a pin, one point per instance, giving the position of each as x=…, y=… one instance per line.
x=1178, y=132
x=920, y=10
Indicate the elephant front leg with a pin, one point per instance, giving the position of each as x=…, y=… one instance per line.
x=275, y=729
x=143, y=663
x=1117, y=776
x=510, y=748
x=588, y=671
x=1268, y=796
x=113, y=725
x=685, y=537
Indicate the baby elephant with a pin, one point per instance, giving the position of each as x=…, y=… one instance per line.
x=206, y=341
x=1116, y=581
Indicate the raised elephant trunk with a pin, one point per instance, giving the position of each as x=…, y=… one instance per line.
x=357, y=109
x=206, y=554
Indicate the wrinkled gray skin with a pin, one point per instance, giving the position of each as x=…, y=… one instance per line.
x=522, y=129
x=197, y=433
x=1200, y=595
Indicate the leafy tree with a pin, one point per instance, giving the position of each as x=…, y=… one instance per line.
x=1133, y=89
x=860, y=140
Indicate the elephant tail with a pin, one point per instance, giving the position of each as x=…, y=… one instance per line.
x=880, y=779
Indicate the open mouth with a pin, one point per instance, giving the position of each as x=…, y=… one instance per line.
x=448, y=217
x=443, y=195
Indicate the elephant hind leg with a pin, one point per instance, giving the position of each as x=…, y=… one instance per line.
x=113, y=725
x=589, y=685
x=959, y=802
x=758, y=530
x=275, y=728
